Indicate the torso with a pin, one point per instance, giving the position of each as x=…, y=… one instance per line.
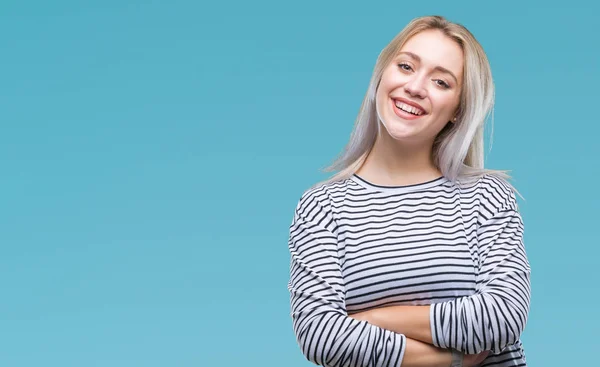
x=408, y=245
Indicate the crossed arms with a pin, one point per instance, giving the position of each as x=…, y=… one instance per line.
x=490, y=320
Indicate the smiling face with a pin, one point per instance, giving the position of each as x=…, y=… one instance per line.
x=420, y=89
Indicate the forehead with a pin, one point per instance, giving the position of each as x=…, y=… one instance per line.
x=435, y=49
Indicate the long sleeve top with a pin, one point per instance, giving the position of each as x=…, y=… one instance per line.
x=355, y=246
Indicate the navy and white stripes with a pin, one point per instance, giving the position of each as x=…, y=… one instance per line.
x=326, y=334
x=355, y=245
x=495, y=316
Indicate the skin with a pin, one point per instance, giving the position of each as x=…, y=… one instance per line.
x=402, y=156
x=413, y=322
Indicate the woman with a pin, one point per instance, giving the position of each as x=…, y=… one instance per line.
x=412, y=255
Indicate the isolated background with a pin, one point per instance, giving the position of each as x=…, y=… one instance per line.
x=152, y=153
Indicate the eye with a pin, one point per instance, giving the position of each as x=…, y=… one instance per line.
x=404, y=66
x=442, y=83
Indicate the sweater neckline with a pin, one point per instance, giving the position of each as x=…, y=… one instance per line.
x=398, y=189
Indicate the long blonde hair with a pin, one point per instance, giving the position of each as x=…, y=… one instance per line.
x=458, y=150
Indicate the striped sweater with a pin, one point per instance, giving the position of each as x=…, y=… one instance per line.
x=355, y=245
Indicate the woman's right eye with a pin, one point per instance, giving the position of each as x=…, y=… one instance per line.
x=404, y=66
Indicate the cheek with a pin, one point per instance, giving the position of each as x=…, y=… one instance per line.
x=447, y=104
x=383, y=91
x=392, y=79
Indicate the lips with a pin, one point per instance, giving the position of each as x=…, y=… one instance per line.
x=409, y=106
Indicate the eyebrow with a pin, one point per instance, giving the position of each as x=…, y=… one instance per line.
x=440, y=68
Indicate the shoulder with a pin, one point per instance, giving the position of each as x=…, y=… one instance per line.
x=494, y=194
x=322, y=196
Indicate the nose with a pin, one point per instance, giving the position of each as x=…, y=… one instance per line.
x=415, y=87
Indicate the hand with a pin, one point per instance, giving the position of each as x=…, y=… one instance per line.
x=472, y=360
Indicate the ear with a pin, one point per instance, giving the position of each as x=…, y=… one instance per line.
x=456, y=113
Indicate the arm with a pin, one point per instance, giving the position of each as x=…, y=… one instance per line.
x=415, y=321
x=491, y=319
x=412, y=321
x=422, y=354
x=495, y=316
x=326, y=334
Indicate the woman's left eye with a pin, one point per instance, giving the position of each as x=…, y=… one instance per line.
x=442, y=83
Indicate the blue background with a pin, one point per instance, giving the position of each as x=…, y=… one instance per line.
x=152, y=153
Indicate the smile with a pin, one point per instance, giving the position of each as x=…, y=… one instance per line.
x=408, y=108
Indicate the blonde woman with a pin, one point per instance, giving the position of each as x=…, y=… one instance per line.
x=412, y=254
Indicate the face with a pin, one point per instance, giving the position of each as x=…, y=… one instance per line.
x=420, y=90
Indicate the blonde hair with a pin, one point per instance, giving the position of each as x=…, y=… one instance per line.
x=458, y=150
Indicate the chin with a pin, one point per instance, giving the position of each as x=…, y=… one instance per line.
x=400, y=129
x=400, y=133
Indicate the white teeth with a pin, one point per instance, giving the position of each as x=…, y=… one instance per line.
x=408, y=108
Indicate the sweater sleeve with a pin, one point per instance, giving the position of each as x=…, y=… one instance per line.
x=325, y=333
x=495, y=316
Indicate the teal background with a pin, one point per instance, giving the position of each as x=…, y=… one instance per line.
x=152, y=153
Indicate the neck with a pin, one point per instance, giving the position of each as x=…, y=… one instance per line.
x=394, y=163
